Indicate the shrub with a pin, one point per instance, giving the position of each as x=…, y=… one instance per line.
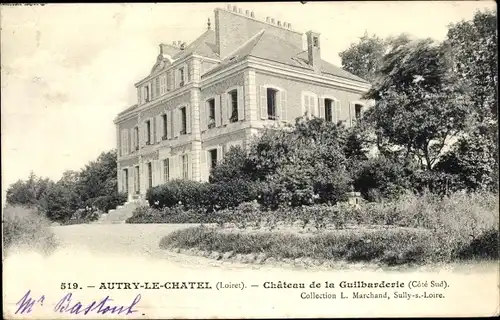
x=397, y=246
x=233, y=166
x=108, y=202
x=190, y=194
x=203, y=196
x=28, y=229
x=381, y=178
x=230, y=194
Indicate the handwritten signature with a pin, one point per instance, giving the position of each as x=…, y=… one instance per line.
x=68, y=305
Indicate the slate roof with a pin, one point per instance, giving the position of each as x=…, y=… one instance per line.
x=204, y=46
x=267, y=46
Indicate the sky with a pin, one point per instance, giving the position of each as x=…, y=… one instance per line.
x=68, y=69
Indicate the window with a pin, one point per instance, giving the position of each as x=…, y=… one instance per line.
x=136, y=136
x=213, y=158
x=137, y=187
x=358, y=109
x=150, y=175
x=166, y=170
x=233, y=104
x=211, y=113
x=181, y=76
x=163, y=84
x=271, y=103
x=125, y=180
x=165, y=126
x=315, y=41
x=183, y=120
x=148, y=132
x=329, y=110
x=185, y=167
x=310, y=105
x=146, y=93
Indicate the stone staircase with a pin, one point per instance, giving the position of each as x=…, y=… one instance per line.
x=120, y=214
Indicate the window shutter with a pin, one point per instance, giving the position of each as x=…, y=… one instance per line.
x=153, y=168
x=203, y=165
x=171, y=164
x=321, y=103
x=134, y=139
x=312, y=106
x=178, y=168
x=351, y=113
x=337, y=110
x=203, y=120
x=159, y=127
x=189, y=166
x=224, y=107
x=219, y=154
x=217, y=111
x=176, y=122
x=143, y=177
x=188, y=118
x=128, y=142
x=241, y=104
x=169, y=124
x=153, y=89
x=283, y=106
x=152, y=126
x=159, y=177
x=305, y=105
x=124, y=142
x=263, y=103
x=142, y=136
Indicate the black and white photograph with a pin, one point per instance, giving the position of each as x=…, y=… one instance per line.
x=203, y=160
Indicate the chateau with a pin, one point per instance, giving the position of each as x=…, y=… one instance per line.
x=240, y=76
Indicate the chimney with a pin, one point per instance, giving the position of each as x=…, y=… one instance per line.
x=252, y=14
x=279, y=23
x=268, y=20
x=235, y=9
x=229, y=7
x=314, y=50
x=247, y=13
x=240, y=11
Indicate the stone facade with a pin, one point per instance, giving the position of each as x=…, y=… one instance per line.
x=193, y=107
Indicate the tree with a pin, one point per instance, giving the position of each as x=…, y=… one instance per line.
x=472, y=161
x=365, y=57
x=303, y=164
x=28, y=193
x=58, y=204
x=234, y=166
x=98, y=178
x=419, y=107
x=473, y=49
